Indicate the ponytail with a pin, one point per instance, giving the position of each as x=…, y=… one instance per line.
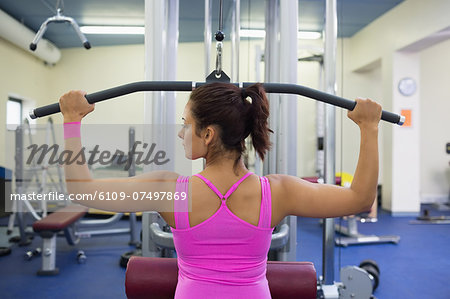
x=258, y=118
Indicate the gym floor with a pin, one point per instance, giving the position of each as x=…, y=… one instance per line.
x=417, y=267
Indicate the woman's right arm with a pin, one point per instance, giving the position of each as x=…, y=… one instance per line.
x=114, y=194
x=295, y=196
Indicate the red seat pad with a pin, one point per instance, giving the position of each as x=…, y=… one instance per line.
x=292, y=279
x=60, y=219
x=149, y=277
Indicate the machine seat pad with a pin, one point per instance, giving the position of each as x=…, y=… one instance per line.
x=152, y=277
x=60, y=219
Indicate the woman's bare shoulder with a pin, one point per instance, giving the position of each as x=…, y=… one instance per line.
x=277, y=180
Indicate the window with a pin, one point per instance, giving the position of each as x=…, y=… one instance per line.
x=13, y=113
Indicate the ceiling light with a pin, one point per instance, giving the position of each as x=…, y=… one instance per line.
x=252, y=33
x=260, y=33
x=112, y=30
x=309, y=35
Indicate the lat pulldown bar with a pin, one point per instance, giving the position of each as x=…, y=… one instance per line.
x=191, y=85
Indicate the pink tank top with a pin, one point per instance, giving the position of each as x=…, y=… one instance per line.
x=224, y=256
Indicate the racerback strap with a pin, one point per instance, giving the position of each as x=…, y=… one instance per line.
x=181, y=207
x=265, y=214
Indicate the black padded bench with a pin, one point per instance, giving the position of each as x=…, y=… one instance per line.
x=48, y=227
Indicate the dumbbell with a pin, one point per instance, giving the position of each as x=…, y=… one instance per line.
x=30, y=254
x=374, y=272
x=81, y=257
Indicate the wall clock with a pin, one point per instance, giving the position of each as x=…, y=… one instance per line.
x=407, y=86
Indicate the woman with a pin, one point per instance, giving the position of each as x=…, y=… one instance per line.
x=222, y=244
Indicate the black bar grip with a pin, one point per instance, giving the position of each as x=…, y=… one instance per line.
x=45, y=111
x=392, y=117
x=117, y=92
x=324, y=97
x=189, y=86
x=139, y=86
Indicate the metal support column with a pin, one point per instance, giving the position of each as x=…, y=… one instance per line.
x=20, y=214
x=280, y=56
x=208, y=36
x=155, y=50
x=287, y=151
x=330, y=135
x=134, y=234
x=287, y=158
x=170, y=73
x=235, y=40
x=161, y=44
x=320, y=127
x=272, y=74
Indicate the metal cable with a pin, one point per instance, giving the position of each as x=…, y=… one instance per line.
x=49, y=6
x=221, y=15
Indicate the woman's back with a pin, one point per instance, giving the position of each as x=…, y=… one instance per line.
x=219, y=252
x=244, y=202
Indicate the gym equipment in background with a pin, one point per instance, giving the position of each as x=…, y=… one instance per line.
x=36, y=176
x=356, y=282
x=5, y=191
x=426, y=217
x=352, y=236
x=59, y=18
x=160, y=241
x=32, y=253
x=61, y=220
x=32, y=177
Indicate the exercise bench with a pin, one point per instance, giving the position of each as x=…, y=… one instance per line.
x=156, y=278
x=48, y=228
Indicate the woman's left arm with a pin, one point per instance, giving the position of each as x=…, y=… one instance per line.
x=139, y=193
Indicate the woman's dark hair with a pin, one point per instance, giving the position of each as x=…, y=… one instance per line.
x=236, y=112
